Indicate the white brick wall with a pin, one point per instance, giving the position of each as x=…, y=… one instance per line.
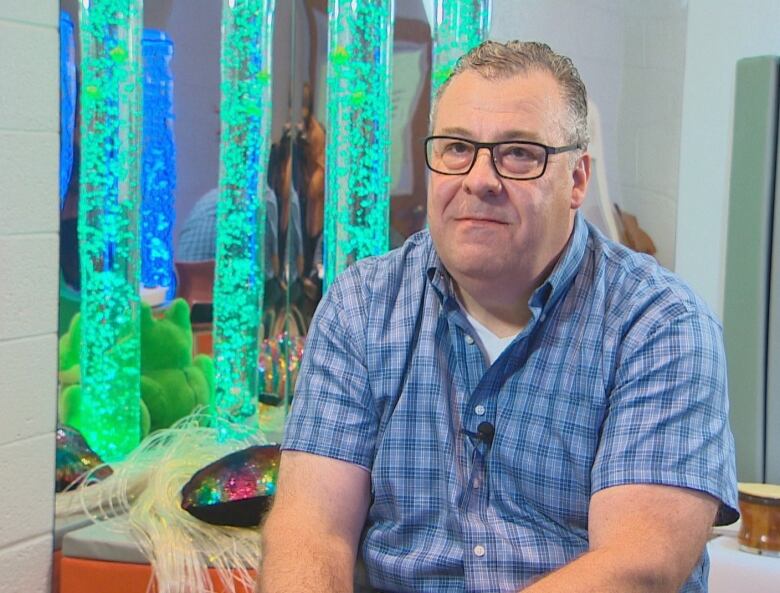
x=649, y=118
x=29, y=152
x=631, y=54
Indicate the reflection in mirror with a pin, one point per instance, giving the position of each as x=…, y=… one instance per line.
x=177, y=376
x=189, y=128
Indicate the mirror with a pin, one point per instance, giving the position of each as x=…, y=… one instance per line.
x=295, y=185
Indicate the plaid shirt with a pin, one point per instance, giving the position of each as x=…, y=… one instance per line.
x=198, y=237
x=618, y=378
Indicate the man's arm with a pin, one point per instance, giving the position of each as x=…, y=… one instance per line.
x=643, y=538
x=665, y=443
x=311, y=534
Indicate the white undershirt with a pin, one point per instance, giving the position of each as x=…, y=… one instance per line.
x=491, y=343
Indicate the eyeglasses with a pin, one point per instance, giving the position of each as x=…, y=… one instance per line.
x=450, y=155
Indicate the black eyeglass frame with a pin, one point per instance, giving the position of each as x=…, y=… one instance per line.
x=548, y=150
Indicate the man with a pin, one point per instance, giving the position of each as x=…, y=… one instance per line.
x=510, y=401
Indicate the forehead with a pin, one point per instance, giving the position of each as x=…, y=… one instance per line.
x=527, y=105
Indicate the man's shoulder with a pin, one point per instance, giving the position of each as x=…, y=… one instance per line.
x=636, y=281
x=208, y=200
x=204, y=211
x=403, y=267
x=377, y=289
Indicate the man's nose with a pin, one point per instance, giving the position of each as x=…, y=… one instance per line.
x=483, y=177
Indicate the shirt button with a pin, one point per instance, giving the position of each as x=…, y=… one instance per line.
x=479, y=410
x=479, y=551
x=469, y=339
x=476, y=483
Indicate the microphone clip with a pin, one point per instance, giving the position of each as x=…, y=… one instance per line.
x=485, y=433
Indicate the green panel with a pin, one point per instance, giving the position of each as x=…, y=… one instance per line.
x=772, y=423
x=747, y=258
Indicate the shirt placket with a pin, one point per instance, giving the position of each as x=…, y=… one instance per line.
x=477, y=406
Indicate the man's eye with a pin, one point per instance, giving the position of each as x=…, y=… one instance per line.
x=520, y=153
x=457, y=148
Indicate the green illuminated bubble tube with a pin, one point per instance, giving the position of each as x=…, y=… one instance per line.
x=458, y=26
x=247, y=34
x=109, y=228
x=357, y=198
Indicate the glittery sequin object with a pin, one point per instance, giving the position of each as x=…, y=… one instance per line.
x=235, y=490
x=75, y=458
x=277, y=367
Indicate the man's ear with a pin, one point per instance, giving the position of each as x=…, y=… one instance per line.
x=580, y=178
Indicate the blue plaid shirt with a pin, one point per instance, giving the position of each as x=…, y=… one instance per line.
x=198, y=238
x=618, y=378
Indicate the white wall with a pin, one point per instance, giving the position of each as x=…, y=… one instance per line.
x=29, y=181
x=720, y=32
x=630, y=54
x=649, y=117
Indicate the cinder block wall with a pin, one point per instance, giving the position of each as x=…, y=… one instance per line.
x=631, y=55
x=29, y=215
x=649, y=117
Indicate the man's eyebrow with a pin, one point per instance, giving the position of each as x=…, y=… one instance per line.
x=520, y=135
x=502, y=137
x=454, y=131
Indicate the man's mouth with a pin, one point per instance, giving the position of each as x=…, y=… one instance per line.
x=479, y=219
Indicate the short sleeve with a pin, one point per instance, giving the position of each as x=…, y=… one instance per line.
x=332, y=412
x=667, y=416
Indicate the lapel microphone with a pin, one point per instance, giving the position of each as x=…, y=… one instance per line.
x=485, y=433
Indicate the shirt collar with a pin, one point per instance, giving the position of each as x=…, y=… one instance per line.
x=565, y=269
x=437, y=275
x=544, y=297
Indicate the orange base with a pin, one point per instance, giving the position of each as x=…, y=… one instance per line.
x=55, y=571
x=203, y=341
x=79, y=575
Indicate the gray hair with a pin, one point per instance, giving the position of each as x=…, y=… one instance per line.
x=494, y=60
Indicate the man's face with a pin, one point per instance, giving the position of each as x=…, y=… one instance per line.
x=495, y=230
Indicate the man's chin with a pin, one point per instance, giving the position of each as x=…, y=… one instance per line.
x=477, y=269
